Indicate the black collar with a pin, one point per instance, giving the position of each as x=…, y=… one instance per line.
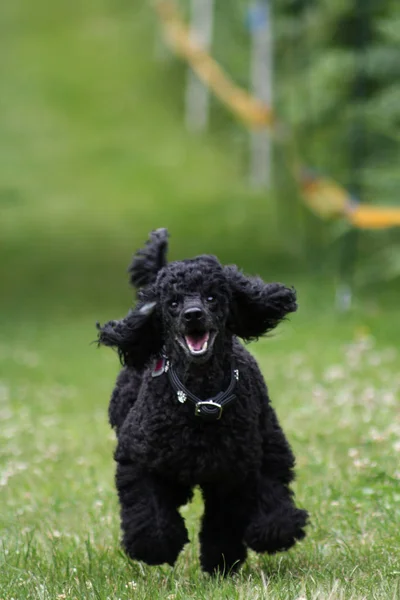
x=210, y=409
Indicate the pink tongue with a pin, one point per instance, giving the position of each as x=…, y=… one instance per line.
x=196, y=343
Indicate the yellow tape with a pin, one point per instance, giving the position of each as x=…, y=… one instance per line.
x=323, y=196
x=365, y=216
x=253, y=112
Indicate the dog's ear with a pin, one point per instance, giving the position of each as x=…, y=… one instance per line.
x=257, y=307
x=138, y=337
x=149, y=260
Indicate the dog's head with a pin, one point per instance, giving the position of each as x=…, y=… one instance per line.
x=189, y=308
x=193, y=298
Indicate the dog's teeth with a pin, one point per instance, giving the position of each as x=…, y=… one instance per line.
x=202, y=349
x=194, y=349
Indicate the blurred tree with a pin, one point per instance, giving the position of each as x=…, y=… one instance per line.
x=338, y=85
x=338, y=68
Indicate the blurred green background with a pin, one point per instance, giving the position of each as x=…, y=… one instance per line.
x=95, y=155
x=94, y=152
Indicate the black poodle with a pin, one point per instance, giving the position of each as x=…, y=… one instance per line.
x=190, y=407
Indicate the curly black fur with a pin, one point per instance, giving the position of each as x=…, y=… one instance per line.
x=242, y=462
x=149, y=260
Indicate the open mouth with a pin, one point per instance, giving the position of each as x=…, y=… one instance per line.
x=198, y=342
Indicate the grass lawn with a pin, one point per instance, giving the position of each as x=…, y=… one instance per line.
x=334, y=381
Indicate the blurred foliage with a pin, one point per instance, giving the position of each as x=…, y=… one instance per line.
x=94, y=154
x=345, y=73
x=337, y=86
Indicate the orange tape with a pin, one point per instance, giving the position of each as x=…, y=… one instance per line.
x=253, y=112
x=365, y=216
x=323, y=196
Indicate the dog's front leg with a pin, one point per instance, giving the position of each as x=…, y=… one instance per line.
x=276, y=523
x=153, y=530
x=222, y=531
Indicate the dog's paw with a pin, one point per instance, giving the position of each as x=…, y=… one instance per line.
x=155, y=545
x=216, y=560
x=277, y=531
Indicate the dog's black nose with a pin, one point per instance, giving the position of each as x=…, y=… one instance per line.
x=192, y=315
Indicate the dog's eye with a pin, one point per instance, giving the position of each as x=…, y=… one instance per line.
x=173, y=304
x=210, y=299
